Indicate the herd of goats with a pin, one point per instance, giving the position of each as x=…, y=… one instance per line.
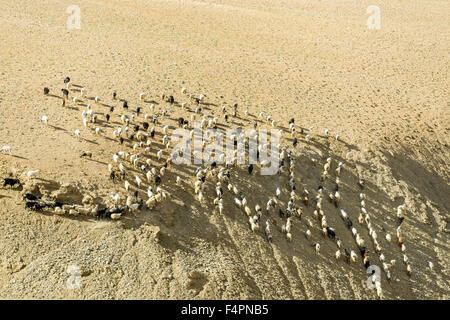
x=142, y=139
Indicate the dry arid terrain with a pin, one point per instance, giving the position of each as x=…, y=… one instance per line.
x=385, y=92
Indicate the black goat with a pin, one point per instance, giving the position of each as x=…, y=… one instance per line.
x=331, y=233
x=100, y=212
x=33, y=205
x=11, y=182
x=31, y=197
x=347, y=256
x=349, y=223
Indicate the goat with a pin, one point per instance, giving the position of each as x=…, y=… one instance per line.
x=5, y=149
x=35, y=206
x=388, y=237
x=305, y=197
x=353, y=256
x=331, y=233
x=238, y=202
x=289, y=236
x=337, y=198
x=401, y=210
x=138, y=181
x=86, y=154
x=65, y=93
x=32, y=173
x=11, y=182
x=408, y=269
x=268, y=232
x=44, y=119
x=316, y=247
x=308, y=234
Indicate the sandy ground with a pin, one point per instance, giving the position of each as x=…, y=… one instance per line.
x=386, y=92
